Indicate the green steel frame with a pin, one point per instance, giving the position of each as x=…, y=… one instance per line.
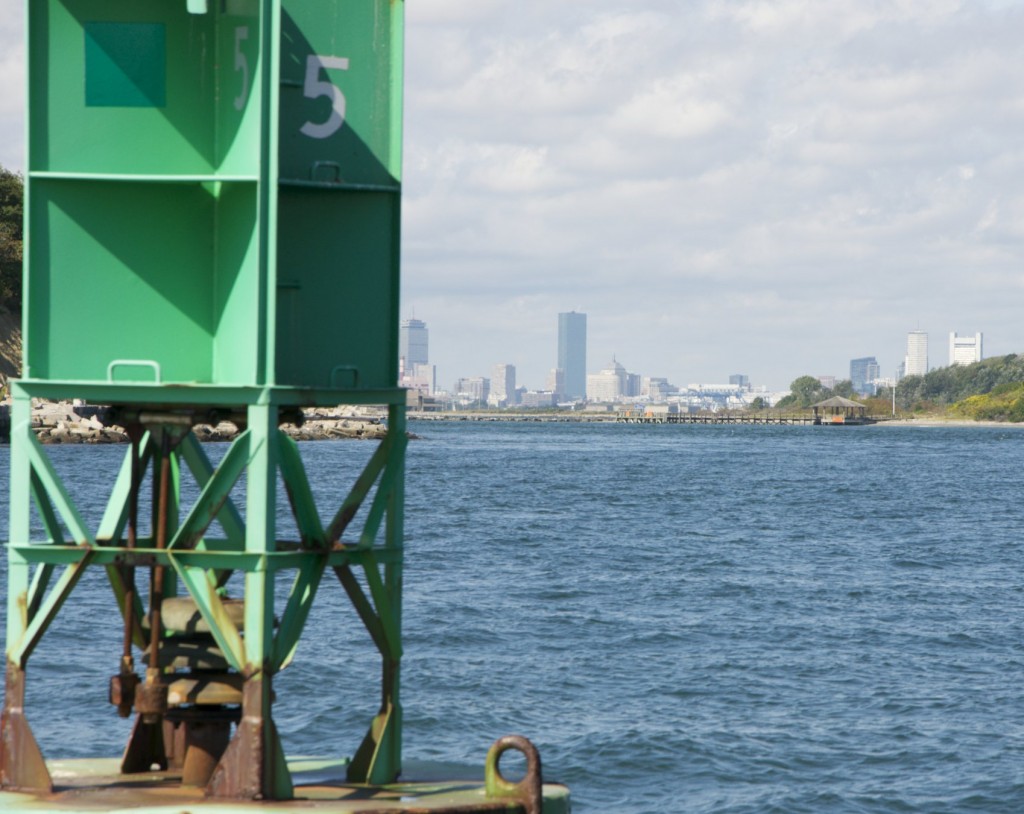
x=212, y=224
x=43, y=575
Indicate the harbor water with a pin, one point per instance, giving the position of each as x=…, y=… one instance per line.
x=682, y=618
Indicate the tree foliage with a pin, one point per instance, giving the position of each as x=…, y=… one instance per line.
x=949, y=385
x=1005, y=402
x=11, y=237
x=808, y=390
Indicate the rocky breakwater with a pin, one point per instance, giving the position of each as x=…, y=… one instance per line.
x=324, y=423
x=79, y=423
x=65, y=422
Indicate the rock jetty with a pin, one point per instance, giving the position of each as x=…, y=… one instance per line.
x=79, y=423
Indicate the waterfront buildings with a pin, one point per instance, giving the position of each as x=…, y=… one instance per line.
x=964, y=350
x=572, y=353
x=656, y=389
x=610, y=385
x=422, y=378
x=473, y=390
x=556, y=383
x=538, y=398
x=863, y=373
x=916, y=363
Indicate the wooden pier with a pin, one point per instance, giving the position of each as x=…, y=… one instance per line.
x=713, y=418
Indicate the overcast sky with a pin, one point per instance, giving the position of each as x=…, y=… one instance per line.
x=768, y=188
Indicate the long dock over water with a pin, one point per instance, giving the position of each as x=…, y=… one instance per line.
x=712, y=418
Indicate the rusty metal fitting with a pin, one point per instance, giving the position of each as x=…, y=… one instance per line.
x=529, y=790
x=151, y=701
x=122, y=692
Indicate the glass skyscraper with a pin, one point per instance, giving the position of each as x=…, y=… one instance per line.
x=863, y=373
x=572, y=353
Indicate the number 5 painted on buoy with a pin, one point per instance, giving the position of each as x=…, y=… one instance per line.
x=314, y=88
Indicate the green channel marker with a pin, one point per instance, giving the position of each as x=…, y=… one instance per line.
x=212, y=232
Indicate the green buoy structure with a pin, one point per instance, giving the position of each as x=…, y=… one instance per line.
x=212, y=216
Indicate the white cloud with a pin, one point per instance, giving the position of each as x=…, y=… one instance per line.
x=12, y=91
x=780, y=184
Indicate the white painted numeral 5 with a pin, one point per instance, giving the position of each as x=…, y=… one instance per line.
x=315, y=88
x=241, y=64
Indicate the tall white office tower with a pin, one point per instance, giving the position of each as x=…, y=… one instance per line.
x=503, y=384
x=917, y=354
x=964, y=350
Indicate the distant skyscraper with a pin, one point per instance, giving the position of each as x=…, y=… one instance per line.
x=964, y=350
x=917, y=354
x=572, y=353
x=556, y=382
x=740, y=379
x=609, y=385
x=474, y=389
x=863, y=373
x=503, y=385
x=412, y=344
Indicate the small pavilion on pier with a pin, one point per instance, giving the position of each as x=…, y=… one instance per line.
x=838, y=410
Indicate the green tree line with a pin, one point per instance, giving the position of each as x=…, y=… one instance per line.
x=11, y=238
x=1005, y=402
x=992, y=389
x=948, y=385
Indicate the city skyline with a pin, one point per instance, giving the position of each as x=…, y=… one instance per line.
x=776, y=188
x=864, y=373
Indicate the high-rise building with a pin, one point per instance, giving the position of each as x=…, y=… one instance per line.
x=412, y=344
x=964, y=350
x=422, y=378
x=656, y=388
x=609, y=385
x=572, y=353
x=916, y=363
x=503, y=385
x=556, y=382
x=740, y=379
x=473, y=389
x=863, y=373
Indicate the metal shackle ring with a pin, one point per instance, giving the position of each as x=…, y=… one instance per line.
x=527, y=790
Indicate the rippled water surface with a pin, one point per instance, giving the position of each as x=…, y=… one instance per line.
x=706, y=619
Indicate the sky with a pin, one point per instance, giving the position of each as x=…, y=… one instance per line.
x=764, y=187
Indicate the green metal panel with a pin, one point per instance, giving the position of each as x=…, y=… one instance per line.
x=158, y=140
x=340, y=79
x=336, y=288
x=125, y=65
x=340, y=138
x=175, y=124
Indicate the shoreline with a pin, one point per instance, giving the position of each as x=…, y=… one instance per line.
x=612, y=418
x=946, y=422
